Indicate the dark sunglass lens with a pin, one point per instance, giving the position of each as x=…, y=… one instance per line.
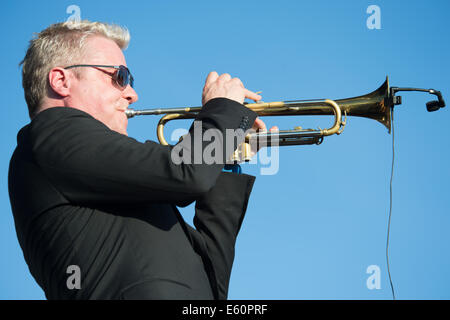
x=131, y=81
x=122, y=77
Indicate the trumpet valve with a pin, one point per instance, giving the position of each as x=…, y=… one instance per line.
x=235, y=157
x=246, y=152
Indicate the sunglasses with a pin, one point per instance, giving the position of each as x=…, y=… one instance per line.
x=122, y=76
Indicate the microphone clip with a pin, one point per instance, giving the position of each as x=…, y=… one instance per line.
x=432, y=106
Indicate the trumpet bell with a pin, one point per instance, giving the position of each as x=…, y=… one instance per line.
x=376, y=105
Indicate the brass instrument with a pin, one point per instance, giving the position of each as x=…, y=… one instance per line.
x=376, y=105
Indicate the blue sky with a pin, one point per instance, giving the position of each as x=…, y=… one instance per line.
x=313, y=228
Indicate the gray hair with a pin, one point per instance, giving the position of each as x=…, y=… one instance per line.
x=61, y=44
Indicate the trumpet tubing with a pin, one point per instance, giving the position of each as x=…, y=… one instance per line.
x=375, y=105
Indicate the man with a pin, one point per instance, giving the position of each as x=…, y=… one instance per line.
x=87, y=197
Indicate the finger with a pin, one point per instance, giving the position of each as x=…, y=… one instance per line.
x=259, y=125
x=238, y=82
x=274, y=129
x=252, y=95
x=224, y=77
x=212, y=76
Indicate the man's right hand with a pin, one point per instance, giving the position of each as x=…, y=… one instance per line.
x=224, y=86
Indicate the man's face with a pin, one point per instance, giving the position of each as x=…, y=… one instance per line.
x=95, y=92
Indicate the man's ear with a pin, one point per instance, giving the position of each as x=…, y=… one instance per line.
x=60, y=80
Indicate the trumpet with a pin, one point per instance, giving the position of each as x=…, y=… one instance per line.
x=377, y=105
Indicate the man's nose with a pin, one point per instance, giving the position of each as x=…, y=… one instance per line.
x=130, y=94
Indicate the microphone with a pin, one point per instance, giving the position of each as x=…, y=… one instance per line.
x=435, y=105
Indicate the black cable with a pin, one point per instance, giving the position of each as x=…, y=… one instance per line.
x=431, y=106
x=390, y=205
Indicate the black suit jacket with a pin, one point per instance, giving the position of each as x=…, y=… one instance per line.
x=87, y=196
